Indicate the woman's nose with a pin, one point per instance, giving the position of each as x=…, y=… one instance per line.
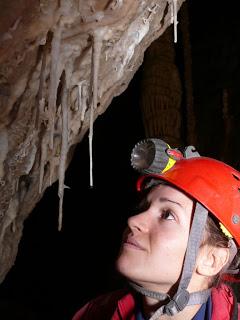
x=139, y=222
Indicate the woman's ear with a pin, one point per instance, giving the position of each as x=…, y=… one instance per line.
x=211, y=260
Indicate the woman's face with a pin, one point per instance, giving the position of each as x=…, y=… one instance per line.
x=155, y=241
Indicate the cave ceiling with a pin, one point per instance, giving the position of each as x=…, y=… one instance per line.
x=61, y=64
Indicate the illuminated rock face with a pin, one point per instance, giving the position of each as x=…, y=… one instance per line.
x=61, y=64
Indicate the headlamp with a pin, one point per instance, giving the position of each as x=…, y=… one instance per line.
x=153, y=156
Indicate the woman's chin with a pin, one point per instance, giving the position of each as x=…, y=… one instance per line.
x=126, y=269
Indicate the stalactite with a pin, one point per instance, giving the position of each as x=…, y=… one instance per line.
x=40, y=95
x=175, y=22
x=43, y=118
x=43, y=158
x=64, y=149
x=96, y=54
x=54, y=81
x=173, y=14
x=68, y=72
x=170, y=3
x=82, y=105
x=55, y=153
x=53, y=163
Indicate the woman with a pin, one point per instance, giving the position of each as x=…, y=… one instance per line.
x=183, y=241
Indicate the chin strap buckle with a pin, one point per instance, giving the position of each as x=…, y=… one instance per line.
x=177, y=303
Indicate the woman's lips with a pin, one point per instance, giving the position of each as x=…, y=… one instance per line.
x=132, y=243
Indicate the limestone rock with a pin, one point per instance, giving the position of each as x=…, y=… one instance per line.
x=61, y=64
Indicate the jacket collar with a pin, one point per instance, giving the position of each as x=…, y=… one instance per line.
x=224, y=305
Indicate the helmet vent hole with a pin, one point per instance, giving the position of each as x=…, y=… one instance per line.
x=235, y=177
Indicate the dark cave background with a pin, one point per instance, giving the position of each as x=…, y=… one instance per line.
x=56, y=272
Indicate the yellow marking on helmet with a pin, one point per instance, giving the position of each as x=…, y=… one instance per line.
x=225, y=231
x=170, y=163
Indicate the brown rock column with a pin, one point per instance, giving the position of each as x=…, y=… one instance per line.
x=161, y=91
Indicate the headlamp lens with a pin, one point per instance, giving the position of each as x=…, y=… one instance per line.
x=143, y=155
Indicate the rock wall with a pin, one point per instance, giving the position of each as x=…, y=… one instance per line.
x=61, y=64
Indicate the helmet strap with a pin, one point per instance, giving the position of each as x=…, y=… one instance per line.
x=148, y=293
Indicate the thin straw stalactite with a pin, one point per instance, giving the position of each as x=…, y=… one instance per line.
x=96, y=54
x=64, y=149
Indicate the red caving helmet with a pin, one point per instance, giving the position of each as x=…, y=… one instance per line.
x=212, y=183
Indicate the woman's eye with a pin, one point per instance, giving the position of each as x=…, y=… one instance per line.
x=167, y=215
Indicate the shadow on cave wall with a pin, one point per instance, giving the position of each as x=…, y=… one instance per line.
x=57, y=272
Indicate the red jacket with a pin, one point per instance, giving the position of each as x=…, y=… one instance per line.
x=120, y=305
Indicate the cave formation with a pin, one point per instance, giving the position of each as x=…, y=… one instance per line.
x=73, y=58
x=63, y=62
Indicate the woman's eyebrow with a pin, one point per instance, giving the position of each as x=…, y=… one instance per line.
x=162, y=199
